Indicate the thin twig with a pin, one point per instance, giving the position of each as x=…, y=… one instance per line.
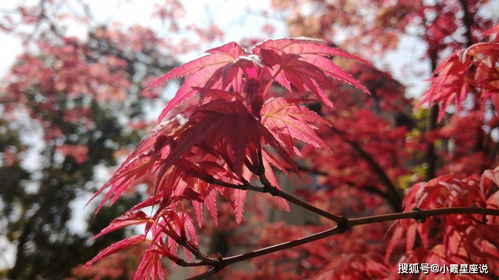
x=268, y=188
x=277, y=192
x=349, y=223
x=282, y=246
x=199, y=255
x=421, y=214
x=246, y=187
x=184, y=263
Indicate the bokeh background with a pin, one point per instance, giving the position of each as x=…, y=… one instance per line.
x=72, y=104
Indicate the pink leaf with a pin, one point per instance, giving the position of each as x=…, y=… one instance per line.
x=239, y=197
x=123, y=221
x=115, y=247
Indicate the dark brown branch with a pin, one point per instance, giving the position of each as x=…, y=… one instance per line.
x=268, y=188
x=283, y=246
x=343, y=224
x=277, y=192
x=421, y=214
x=369, y=189
x=184, y=263
x=467, y=22
x=246, y=187
x=349, y=223
x=395, y=197
x=372, y=190
x=205, y=260
x=311, y=171
x=431, y=154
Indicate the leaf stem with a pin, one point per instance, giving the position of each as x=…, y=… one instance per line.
x=199, y=255
x=268, y=188
x=277, y=192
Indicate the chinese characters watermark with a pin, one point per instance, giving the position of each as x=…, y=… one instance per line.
x=426, y=268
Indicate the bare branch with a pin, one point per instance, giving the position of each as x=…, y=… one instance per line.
x=268, y=188
x=205, y=260
x=468, y=21
x=349, y=223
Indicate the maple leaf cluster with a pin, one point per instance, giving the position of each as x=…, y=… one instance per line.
x=465, y=238
x=466, y=71
x=236, y=129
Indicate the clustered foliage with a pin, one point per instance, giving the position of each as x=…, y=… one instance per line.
x=239, y=129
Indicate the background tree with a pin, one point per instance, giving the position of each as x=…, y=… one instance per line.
x=440, y=26
x=79, y=102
